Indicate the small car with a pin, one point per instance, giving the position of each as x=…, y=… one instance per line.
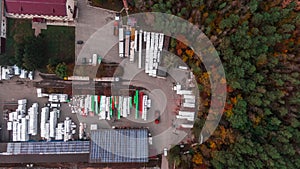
x=79, y=42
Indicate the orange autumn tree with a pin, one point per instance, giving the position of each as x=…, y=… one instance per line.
x=197, y=159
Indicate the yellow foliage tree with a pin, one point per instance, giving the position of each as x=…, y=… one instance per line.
x=198, y=159
x=213, y=145
x=189, y=53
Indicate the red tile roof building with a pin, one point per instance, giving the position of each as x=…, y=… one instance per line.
x=48, y=9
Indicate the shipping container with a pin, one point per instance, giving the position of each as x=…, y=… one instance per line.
x=78, y=78
x=189, y=118
x=184, y=92
x=140, y=49
x=94, y=59
x=190, y=101
x=33, y=118
x=127, y=43
x=11, y=116
x=9, y=125
x=53, y=123
x=47, y=131
x=144, y=108
x=22, y=101
x=59, y=131
x=102, y=108
x=128, y=105
x=131, y=55
x=120, y=107
x=121, y=49
x=67, y=126
x=189, y=105
x=121, y=34
x=96, y=104
x=107, y=79
x=141, y=103
x=15, y=131
x=188, y=126
x=19, y=132
x=186, y=113
x=188, y=96
x=107, y=108
x=136, y=34
x=81, y=131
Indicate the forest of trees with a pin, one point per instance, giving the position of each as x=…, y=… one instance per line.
x=259, y=45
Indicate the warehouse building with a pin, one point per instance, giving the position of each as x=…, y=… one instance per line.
x=57, y=10
x=119, y=146
x=41, y=152
x=105, y=146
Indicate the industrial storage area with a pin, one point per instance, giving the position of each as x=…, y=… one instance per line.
x=101, y=126
x=111, y=107
x=145, y=50
x=23, y=124
x=140, y=46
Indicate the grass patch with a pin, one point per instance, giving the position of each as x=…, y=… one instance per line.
x=115, y=5
x=60, y=43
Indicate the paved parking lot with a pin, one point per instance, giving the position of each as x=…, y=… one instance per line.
x=90, y=19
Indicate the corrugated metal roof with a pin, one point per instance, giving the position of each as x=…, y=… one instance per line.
x=72, y=147
x=119, y=146
x=37, y=7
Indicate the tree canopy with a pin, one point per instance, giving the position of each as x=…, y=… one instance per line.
x=258, y=43
x=30, y=53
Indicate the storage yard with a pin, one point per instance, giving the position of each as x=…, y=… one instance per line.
x=141, y=46
x=155, y=102
x=111, y=107
x=22, y=125
x=145, y=49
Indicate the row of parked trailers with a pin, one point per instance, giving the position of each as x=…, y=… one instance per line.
x=107, y=107
x=142, y=103
x=188, y=103
x=9, y=71
x=131, y=41
x=189, y=99
x=22, y=123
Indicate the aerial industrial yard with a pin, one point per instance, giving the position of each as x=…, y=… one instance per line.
x=149, y=84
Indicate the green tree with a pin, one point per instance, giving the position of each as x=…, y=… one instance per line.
x=19, y=54
x=34, y=52
x=61, y=70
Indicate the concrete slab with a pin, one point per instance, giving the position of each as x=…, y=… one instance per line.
x=90, y=19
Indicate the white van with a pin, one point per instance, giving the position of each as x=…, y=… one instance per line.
x=165, y=151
